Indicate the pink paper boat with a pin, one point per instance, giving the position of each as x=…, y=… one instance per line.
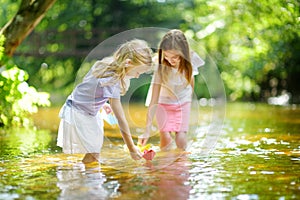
x=149, y=154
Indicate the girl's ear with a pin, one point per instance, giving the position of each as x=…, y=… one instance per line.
x=128, y=62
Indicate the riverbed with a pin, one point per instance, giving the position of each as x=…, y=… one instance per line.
x=252, y=153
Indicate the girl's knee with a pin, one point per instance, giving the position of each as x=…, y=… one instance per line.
x=180, y=134
x=165, y=141
x=165, y=134
x=181, y=140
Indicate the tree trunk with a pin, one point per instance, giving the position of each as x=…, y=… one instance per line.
x=28, y=16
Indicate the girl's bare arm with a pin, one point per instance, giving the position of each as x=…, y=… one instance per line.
x=124, y=127
x=151, y=110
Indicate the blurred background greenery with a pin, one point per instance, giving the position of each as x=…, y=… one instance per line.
x=255, y=44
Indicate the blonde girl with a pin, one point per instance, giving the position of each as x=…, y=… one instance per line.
x=172, y=89
x=81, y=126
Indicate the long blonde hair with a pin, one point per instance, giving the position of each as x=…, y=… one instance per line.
x=175, y=40
x=136, y=50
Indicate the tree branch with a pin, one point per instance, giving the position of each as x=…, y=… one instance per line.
x=28, y=16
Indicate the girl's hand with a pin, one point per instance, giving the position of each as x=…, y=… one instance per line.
x=142, y=140
x=136, y=153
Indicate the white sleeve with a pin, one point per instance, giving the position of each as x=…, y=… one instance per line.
x=196, y=62
x=155, y=68
x=149, y=95
x=155, y=79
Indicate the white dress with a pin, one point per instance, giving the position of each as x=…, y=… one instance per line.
x=81, y=125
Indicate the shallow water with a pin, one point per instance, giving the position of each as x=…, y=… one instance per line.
x=257, y=156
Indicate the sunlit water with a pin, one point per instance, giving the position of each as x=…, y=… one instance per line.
x=257, y=156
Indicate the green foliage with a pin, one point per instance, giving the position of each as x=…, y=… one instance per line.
x=251, y=42
x=255, y=44
x=2, y=39
x=8, y=9
x=17, y=98
x=52, y=75
x=69, y=27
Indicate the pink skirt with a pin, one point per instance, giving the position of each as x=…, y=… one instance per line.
x=173, y=117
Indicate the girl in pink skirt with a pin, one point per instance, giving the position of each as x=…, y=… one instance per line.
x=172, y=89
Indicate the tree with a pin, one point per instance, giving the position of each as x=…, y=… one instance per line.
x=18, y=99
x=255, y=44
x=28, y=16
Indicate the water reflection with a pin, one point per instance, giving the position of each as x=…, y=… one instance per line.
x=171, y=181
x=145, y=179
x=81, y=182
x=21, y=142
x=257, y=157
x=158, y=180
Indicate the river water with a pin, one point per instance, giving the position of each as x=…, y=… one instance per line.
x=256, y=155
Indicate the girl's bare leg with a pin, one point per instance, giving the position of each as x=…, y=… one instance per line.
x=165, y=141
x=181, y=140
x=90, y=157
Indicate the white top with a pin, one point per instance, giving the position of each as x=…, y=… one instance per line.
x=176, y=90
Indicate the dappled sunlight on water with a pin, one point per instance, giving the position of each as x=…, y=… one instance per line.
x=257, y=156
